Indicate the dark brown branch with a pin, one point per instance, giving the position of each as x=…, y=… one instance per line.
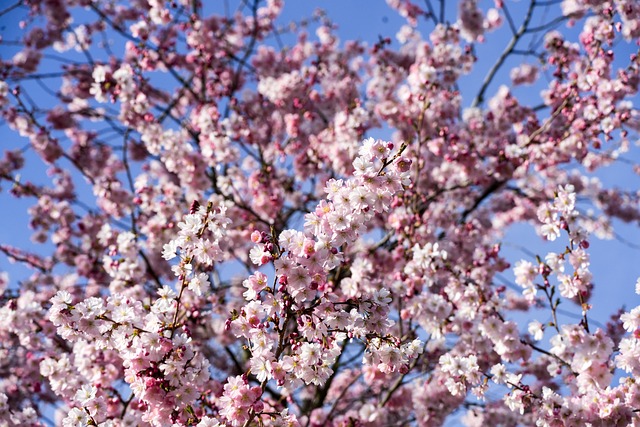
x=479, y=99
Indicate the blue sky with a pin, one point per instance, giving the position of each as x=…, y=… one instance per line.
x=615, y=265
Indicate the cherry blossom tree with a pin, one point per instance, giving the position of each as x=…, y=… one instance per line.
x=221, y=239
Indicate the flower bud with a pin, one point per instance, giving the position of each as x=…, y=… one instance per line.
x=403, y=164
x=256, y=237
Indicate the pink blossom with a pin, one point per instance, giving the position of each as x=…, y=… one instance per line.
x=219, y=239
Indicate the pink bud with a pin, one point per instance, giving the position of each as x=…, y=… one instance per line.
x=256, y=237
x=403, y=164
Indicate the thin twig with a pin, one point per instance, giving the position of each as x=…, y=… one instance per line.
x=479, y=99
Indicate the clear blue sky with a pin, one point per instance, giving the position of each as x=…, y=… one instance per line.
x=615, y=266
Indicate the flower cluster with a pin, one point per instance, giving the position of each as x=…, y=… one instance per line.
x=198, y=241
x=217, y=240
x=160, y=365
